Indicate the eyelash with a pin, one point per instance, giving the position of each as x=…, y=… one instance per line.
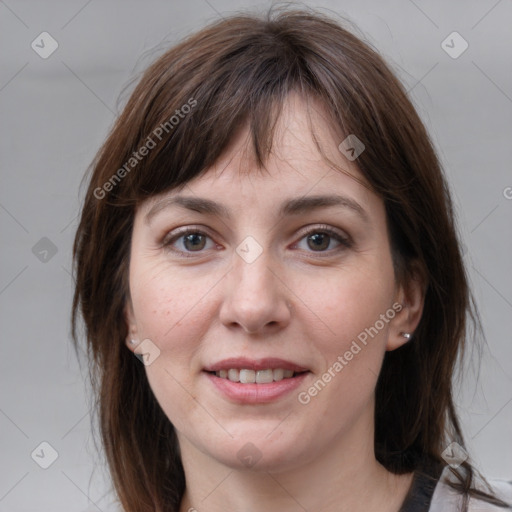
x=345, y=242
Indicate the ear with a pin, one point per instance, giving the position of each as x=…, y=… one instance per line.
x=411, y=296
x=132, y=339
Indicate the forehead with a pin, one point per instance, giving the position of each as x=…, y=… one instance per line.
x=304, y=132
x=304, y=147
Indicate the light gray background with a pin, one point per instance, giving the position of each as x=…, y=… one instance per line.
x=55, y=113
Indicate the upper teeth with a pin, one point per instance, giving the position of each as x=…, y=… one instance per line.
x=253, y=376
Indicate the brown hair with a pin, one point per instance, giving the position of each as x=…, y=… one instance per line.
x=237, y=71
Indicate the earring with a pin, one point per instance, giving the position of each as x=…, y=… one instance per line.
x=406, y=335
x=133, y=342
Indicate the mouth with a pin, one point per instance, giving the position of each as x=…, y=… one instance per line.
x=250, y=381
x=248, y=376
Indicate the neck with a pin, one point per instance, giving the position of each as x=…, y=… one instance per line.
x=346, y=477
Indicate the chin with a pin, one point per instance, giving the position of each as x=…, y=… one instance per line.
x=255, y=450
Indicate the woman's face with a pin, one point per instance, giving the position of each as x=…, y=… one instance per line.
x=283, y=271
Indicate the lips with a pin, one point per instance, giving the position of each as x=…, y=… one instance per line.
x=242, y=363
x=250, y=371
x=255, y=381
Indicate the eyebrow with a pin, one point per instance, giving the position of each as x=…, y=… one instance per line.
x=294, y=206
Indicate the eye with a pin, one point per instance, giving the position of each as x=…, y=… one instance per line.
x=320, y=238
x=192, y=240
x=187, y=240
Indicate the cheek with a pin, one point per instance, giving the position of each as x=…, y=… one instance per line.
x=174, y=314
x=349, y=301
x=355, y=308
x=351, y=350
x=350, y=335
x=168, y=309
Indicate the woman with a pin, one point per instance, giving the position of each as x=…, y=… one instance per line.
x=267, y=228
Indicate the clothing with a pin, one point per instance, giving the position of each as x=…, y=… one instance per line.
x=431, y=493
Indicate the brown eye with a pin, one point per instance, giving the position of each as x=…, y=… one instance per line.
x=194, y=241
x=187, y=241
x=321, y=240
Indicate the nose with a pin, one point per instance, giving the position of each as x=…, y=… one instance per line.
x=256, y=299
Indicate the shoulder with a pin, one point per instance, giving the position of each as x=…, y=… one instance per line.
x=446, y=499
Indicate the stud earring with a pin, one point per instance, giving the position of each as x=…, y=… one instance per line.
x=133, y=342
x=406, y=335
